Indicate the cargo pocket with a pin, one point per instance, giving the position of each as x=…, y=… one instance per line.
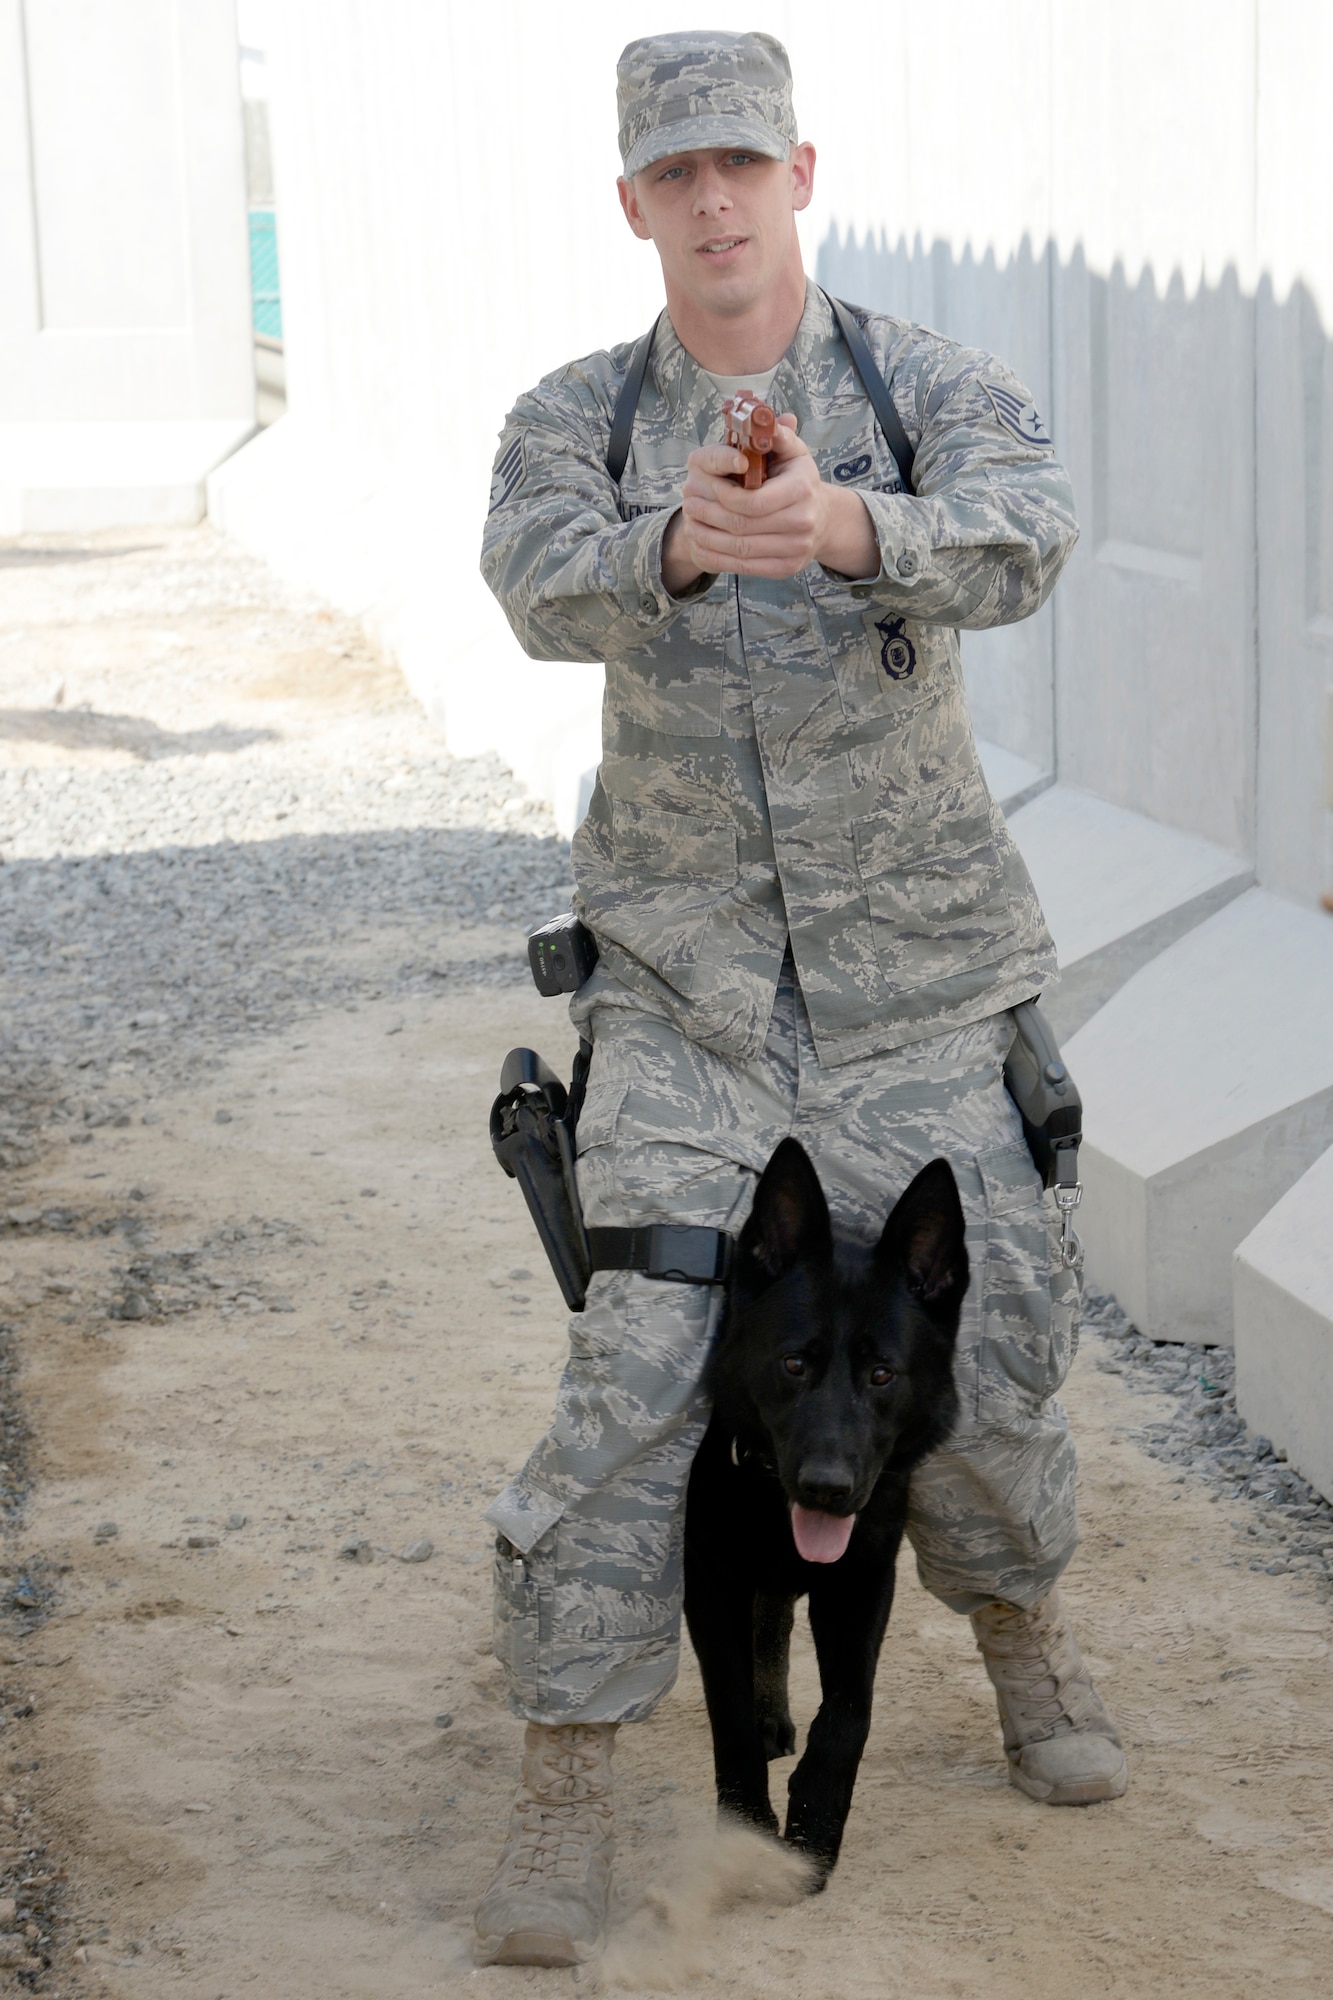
x=672, y=683
x=595, y=1167
x=524, y=1597
x=935, y=885
x=1029, y=1301
x=670, y=870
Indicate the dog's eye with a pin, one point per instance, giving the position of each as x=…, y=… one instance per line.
x=881, y=1376
x=793, y=1364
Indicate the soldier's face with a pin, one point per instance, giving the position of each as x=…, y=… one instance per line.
x=723, y=221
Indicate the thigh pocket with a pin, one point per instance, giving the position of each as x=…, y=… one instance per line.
x=595, y=1143
x=668, y=873
x=935, y=885
x=1029, y=1301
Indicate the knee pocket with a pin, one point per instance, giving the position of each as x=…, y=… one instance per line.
x=523, y=1603
x=1029, y=1300
x=584, y=1605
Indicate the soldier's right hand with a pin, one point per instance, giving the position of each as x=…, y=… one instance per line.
x=709, y=479
x=775, y=530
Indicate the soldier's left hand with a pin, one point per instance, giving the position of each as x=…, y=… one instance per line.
x=792, y=520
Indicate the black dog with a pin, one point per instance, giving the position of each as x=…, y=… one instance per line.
x=833, y=1377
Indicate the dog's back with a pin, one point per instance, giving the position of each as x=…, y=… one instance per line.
x=832, y=1379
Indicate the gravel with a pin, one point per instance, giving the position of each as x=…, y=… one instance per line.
x=213, y=866
x=1207, y=1438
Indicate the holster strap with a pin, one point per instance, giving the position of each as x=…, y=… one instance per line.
x=664, y=1250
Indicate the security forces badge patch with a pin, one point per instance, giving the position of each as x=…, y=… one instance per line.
x=1017, y=416
x=897, y=654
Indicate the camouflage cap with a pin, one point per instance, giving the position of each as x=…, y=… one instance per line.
x=702, y=88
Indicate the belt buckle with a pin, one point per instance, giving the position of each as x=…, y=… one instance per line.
x=700, y=1261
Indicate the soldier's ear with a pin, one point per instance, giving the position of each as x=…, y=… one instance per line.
x=632, y=212
x=801, y=166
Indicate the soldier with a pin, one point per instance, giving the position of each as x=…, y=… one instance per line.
x=812, y=920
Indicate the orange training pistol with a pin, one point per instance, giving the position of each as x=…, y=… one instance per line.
x=750, y=428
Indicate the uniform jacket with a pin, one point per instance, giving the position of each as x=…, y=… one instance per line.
x=792, y=757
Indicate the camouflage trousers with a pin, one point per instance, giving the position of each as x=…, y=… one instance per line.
x=588, y=1565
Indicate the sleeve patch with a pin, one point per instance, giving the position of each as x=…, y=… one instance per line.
x=508, y=474
x=1017, y=416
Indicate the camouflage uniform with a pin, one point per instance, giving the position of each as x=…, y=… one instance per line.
x=788, y=768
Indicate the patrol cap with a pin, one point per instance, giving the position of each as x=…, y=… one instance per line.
x=687, y=92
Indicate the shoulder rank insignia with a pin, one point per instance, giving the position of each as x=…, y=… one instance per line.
x=509, y=470
x=1017, y=416
x=897, y=654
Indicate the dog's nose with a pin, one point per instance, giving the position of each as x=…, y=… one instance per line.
x=826, y=1485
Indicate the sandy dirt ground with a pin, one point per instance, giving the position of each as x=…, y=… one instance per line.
x=298, y=1326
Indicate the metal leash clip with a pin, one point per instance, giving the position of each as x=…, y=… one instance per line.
x=1067, y=1199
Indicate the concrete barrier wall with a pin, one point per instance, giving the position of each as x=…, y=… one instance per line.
x=1153, y=253
x=125, y=357
x=449, y=231
x=1294, y=422
x=1284, y=1326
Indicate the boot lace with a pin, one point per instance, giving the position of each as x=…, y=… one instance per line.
x=554, y=1843
x=1024, y=1658
x=563, y=1817
x=570, y=1767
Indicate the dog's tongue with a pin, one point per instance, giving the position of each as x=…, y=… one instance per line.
x=820, y=1538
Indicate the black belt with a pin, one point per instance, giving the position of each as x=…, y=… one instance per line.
x=664, y=1250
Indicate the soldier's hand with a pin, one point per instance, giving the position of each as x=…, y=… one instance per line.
x=793, y=519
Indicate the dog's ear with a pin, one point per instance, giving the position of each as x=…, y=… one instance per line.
x=789, y=1222
x=925, y=1234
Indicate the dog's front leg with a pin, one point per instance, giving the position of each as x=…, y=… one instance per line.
x=774, y=1615
x=719, y=1609
x=848, y=1626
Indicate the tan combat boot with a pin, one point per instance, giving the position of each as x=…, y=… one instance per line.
x=546, y=1904
x=1063, y=1747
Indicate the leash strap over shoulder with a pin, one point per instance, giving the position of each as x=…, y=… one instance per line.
x=627, y=402
x=877, y=389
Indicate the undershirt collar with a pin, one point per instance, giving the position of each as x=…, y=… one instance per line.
x=727, y=385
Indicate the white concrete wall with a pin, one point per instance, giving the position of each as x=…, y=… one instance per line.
x=1148, y=240
x=1294, y=420
x=1116, y=889
x=1284, y=1326
x=125, y=353
x=1145, y=232
x=1207, y=1085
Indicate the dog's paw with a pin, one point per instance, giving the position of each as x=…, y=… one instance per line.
x=754, y=1815
x=778, y=1736
x=818, y=1866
